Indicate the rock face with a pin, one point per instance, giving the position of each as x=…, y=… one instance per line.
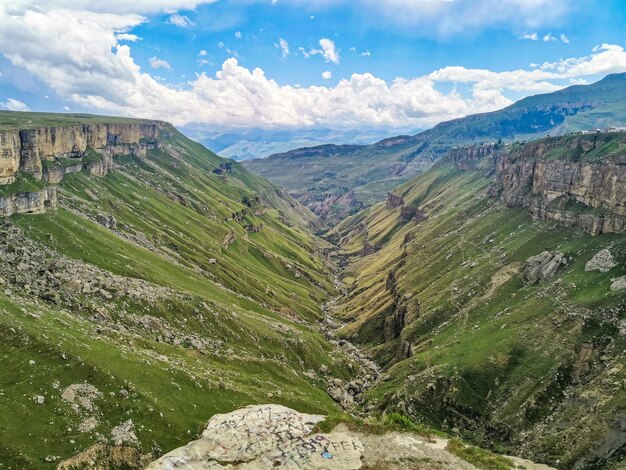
x=337, y=206
x=602, y=261
x=394, y=200
x=29, y=203
x=587, y=193
x=26, y=149
x=269, y=436
x=544, y=266
x=466, y=157
x=89, y=147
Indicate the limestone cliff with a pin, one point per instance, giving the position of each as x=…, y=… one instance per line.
x=49, y=153
x=26, y=149
x=578, y=181
x=28, y=202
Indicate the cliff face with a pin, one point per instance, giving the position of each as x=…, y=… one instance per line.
x=584, y=188
x=89, y=147
x=24, y=150
x=28, y=203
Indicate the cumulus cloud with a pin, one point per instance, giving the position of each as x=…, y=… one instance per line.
x=157, y=63
x=181, y=21
x=14, y=105
x=77, y=54
x=327, y=75
x=531, y=36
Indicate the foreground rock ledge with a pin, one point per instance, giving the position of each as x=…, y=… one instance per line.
x=274, y=436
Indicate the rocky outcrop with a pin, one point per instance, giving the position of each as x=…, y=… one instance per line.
x=330, y=206
x=394, y=200
x=557, y=183
x=544, y=266
x=270, y=436
x=466, y=157
x=602, y=261
x=413, y=213
x=26, y=149
x=29, y=202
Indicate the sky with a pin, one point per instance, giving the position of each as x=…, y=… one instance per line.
x=292, y=64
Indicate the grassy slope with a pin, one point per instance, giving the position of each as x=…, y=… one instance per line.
x=239, y=304
x=500, y=352
x=30, y=120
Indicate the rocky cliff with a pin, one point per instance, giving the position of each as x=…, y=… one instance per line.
x=26, y=149
x=28, y=202
x=49, y=153
x=578, y=181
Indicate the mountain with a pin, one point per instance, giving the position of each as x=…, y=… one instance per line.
x=367, y=173
x=249, y=144
x=147, y=284
x=150, y=286
x=492, y=291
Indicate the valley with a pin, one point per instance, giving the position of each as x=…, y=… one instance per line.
x=148, y=285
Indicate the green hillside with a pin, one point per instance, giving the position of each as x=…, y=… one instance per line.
x=173, y=292
x=468, y=343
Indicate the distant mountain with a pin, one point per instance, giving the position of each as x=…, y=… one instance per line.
x=370, y=171
x=249, y=144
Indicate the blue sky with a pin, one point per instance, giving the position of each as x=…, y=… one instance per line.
x=397, y=64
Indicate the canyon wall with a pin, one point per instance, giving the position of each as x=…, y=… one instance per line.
x=49, y=153
x=577, y=181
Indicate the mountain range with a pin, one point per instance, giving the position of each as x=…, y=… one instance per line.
x=336, y=180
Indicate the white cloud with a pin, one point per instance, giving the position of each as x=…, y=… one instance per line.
x=328, y=51
x=127, y=37
x=238, y=35
x=366, y=54
x=157, y=63
x=327, y=75
x=110, y=6
x=564, y=38
x=14, y=105
x=202, y=53
x=530, y=36
x=284, y=47
x=181, y=21
x=549, y=37
x=77, y=55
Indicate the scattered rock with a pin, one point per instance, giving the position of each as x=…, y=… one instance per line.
x=124, y=434
x=39, y=399
x=544, y=266
x=602, y=261
x=618, y=283
x=81, y=397
x=89, y=424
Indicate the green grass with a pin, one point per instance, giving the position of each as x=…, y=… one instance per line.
x=23, y=183
x=480, y=458
x=486, y=344
x=255, y=314
x=30, y=120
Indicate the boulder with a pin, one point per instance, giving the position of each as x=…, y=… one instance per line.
x=602, y=261
x=544, y=266
x=618, y=283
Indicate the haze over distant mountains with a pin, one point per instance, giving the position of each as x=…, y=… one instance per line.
x=249, y=144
